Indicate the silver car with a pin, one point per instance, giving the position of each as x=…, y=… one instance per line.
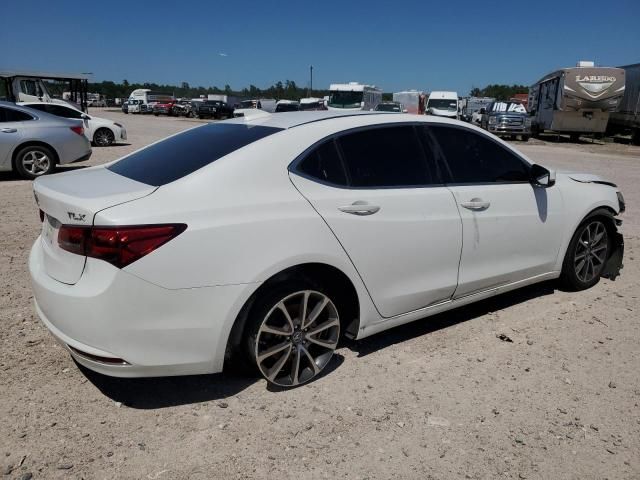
x=32, y=142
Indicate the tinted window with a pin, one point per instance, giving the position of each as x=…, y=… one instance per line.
x=473, y=158
x=57, y=110
x=324, y=164
x=10, y=115
x=187, y=152
x=384, y=157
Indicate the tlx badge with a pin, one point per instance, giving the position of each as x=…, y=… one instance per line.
x=78, y=217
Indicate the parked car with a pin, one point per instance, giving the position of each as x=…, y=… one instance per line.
x=287, y=106
x=102, y=132
x=32, y=142
x=125, y=107
x=321, y=229
x=182, y=108
x=163, y=108
x=312, y=103
x=394, y=107
x=506, y=119
x=211, y=109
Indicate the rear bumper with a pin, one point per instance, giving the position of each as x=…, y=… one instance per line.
x=110, y=314
x=86, y=156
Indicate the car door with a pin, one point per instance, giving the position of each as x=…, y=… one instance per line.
x=377, y=190
x=10, y=134
x=511, y=229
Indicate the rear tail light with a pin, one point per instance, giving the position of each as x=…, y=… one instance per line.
x=79, y=130
x=120, y=246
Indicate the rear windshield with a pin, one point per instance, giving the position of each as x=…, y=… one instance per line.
x=187, y=152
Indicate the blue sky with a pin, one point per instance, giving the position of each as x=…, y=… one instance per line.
x=450, y=45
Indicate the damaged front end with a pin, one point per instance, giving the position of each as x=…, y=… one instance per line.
x=614, y=263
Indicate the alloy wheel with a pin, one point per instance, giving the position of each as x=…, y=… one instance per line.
x=36, y=162
x=104, y=138
x=297, y=338
x=591, y=251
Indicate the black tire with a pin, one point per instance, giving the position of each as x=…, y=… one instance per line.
x=635, y=136
x=524, y=138
x=266, y=303
x=574, y=137
x=103, y=137
x=569, y=278
x=27, y=154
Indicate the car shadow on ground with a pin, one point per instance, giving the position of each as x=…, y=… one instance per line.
x=162, y=392
x=447, y=319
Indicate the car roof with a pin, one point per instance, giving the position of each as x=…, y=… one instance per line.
x=287, y=120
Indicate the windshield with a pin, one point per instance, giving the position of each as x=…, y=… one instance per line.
x=508, y=107
x=345, y=99
x=247, y=104
x=443, y=104
x=388, y=107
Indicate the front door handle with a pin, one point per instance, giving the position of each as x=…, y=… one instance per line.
x=8, y=130
x=476, y=204
x=359, y=208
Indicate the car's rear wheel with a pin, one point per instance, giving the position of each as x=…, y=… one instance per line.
x=293, y=332
x=34, y=161
x=103, y=137
x=587, y=254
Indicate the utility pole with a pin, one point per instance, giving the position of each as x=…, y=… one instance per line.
x=311, y=83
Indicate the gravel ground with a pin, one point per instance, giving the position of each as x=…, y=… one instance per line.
x=439, y=399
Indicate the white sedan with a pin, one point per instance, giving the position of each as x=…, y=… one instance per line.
x=102, y=132
x=269, y=238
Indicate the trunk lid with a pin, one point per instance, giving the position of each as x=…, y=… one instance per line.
x=74, y=198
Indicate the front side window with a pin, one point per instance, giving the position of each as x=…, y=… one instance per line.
x=385, y=157
x=324, y=164
x=182, y=154
x=31, y=87
x=474, y=158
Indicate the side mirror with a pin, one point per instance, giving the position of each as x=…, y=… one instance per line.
x=84, y=116
x=541, y=177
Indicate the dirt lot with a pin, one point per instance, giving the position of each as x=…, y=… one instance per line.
x=443, y=398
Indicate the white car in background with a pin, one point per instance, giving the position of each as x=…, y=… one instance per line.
x=101, y=132
x=269, y=238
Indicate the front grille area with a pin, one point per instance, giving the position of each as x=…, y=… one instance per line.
x=510, y=120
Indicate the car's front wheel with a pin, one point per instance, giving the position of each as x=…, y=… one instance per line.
x=103, y=137
x=293, y=332
x=587, y=254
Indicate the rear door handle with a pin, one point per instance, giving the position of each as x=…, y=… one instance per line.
x=359, y=208
x=476, y=204
x=8, y=130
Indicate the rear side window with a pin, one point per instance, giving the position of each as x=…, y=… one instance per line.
x=324, y=164
x=187, y=152
x=385, y=157
x=473, y=158
x=10, y=115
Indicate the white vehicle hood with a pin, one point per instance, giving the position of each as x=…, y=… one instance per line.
x=442, y=113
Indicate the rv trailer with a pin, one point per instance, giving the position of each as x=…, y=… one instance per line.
x=627, y=118
x=413, y=101
x=576, y=100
